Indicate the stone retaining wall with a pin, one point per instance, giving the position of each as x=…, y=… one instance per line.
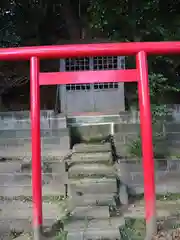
x=21, y=120
x=17, y=125
x=15, y=131
x=167, y=176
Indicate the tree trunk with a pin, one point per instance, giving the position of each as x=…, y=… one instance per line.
x=72, y=22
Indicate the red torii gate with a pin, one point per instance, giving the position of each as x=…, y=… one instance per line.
x=139, y=75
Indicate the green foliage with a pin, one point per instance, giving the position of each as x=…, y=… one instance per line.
x=42, y=22
x=159, y=86
x=134, y=21
x=62, y=235
x=135, y=147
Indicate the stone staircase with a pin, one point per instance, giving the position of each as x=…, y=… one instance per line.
x=16, y=194
x=98, y=206
x=93, y=184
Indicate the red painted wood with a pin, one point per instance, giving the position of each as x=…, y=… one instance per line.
x=55, y=78
x=85, y=50
x=36, y=143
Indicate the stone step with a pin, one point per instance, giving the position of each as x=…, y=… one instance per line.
x=95, y=229
x=13, y=191
x=90, y=212
x=104, y=157
x=80, y=119
x=18, y=226
x=93, y=186
x=17, y=215
x=23, y=210
x=90, y=170
x=91, y=148
x=94, y=200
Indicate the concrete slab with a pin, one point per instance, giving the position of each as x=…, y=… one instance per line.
x=91, y=157
x=9, y=166
x=94, y=229
x=111, y=234
x=24, y=237
x=93, y=186
x=23, y=210
x=89, y=148
x=91, y=212
x=75, y=235
x=24, y=227
x=88, y=170
x=4, y=230
x=93, y=200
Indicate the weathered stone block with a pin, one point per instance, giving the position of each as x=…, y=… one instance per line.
x=24, y=211
x=92, y=185
x=89, y=170
x=103, y=233
x=10, y=167
x=24, y=143
x=91, y=212
x=21, y=133
x=174, y=151
x=14, y=190
x=173, y=136
x=56, y=143
x=172, y=127
x=91, y=148
x=126, y=128
x=122, y=149
x=173, y=165
x=88, y=133
x=21, y=120
x=125, y=138
x=91, y=157
x=129, y=117
x=93, y=200
x=105, y=229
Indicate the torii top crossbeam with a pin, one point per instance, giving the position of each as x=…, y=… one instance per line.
x=107, y=49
